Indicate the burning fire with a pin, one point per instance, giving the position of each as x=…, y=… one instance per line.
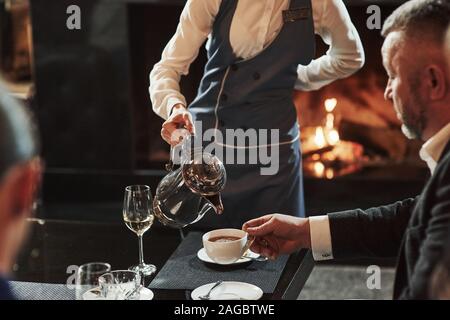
x=319, y=138
x=326, y=154
x=328, y=135
x=330, y=104
x=332, y=135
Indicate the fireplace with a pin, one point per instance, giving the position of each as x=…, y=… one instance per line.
x=348, y=126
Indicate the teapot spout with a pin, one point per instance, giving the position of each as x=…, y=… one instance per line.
x=216, y=201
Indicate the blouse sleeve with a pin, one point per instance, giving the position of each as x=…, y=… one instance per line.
x=345, y=55
x=194, y=27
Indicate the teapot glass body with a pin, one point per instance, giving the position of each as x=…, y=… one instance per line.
x=186, y=194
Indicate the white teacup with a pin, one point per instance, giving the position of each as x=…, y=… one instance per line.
x=225, y=246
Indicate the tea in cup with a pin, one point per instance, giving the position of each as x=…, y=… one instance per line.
x=226, y=246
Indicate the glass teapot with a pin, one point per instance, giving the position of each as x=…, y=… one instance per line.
x=186, y=194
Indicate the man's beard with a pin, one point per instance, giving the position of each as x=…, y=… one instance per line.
x=410, y=133
x=413, y=126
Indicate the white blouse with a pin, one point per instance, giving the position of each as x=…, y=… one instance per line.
x=255, y=24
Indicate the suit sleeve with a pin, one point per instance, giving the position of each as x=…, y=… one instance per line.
x=435, y=235
x=375, y=232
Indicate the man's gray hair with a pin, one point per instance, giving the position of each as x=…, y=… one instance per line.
x=19, y=138
x=420, y=19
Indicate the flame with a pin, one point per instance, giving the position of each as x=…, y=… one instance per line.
x=330, y=150
x=330, y=121
x=319, y=138
x=319, y=169
x=329, y=173
x=333, y=137
x=330, y=104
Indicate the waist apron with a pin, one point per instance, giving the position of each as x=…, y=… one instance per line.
x=256, y=93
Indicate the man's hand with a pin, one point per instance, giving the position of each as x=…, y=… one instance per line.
x=278, y=234
x=179, y=119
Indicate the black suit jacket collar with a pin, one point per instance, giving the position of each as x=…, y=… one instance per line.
x=445, y=152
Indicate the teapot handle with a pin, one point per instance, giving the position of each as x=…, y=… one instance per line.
x=170, y=164
x=183, y=134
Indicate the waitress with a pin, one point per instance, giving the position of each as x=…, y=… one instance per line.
x=258, y=53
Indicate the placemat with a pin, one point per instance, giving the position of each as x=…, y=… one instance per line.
x=41, y=291
x=184, y=270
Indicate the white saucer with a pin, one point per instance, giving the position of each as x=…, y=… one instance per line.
x=94, y=294
x=229, y=290
x=202, y=255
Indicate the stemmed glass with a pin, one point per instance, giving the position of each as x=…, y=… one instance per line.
x=138, y=216
x=88, y=275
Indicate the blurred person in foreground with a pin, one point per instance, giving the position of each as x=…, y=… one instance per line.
x=413, y=230
x=20, y=175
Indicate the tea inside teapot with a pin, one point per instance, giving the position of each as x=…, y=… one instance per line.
x=204, y=174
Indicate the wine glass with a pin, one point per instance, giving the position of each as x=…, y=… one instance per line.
x=88, y=275
x=138, y=217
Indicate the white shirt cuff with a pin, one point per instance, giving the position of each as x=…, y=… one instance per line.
x=172, y=102
x=320, y=238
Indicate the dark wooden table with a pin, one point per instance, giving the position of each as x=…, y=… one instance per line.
x=55, y=247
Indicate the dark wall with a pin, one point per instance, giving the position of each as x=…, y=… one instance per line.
x=150, y=28
x=82, y=85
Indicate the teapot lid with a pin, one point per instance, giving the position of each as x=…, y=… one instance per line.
x=204, y=174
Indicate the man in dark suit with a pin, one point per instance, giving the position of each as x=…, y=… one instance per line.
x=20, y=172
x=440, y=279
x=440, y=284
x=414, y=230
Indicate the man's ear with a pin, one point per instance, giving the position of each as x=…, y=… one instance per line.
x=23, y=182
x=437, y=82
